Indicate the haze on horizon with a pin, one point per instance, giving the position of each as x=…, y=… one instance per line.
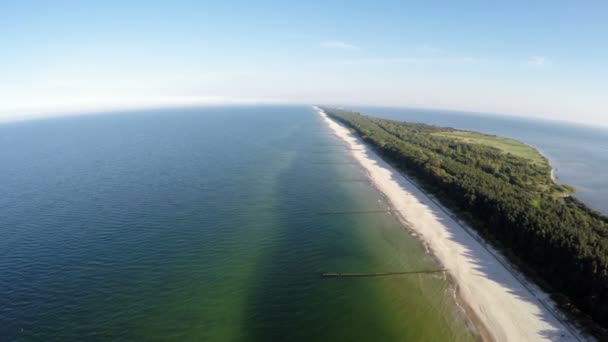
x=545, y=59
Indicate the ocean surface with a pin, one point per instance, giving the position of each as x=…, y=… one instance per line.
x=204, y=225
x=578, y=153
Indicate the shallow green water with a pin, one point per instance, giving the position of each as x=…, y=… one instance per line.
x=204, y=225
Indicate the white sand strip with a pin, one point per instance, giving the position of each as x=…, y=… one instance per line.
x=509, y=307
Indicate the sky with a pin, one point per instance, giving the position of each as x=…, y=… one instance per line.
x=545, y=59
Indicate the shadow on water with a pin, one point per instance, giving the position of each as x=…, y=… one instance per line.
x=290, y=301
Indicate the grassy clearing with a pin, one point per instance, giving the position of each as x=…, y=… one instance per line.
x=511, y=146
x=515, y=148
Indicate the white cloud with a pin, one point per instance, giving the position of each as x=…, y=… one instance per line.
x=537, y=61
x=338, y=45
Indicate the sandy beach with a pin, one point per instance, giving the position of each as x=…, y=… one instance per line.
x=495, y=295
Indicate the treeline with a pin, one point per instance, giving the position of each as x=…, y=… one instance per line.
x=506, y=198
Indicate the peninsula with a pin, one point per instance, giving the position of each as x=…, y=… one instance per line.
x=482, y=204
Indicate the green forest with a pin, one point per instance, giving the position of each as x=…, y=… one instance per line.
x=504, y=190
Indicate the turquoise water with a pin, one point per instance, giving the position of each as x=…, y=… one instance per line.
x=203, y=225
x=578, y=153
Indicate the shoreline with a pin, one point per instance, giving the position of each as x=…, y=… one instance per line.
x=496, y=298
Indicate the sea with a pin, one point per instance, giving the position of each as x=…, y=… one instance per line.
x=205, y=224
x=218, y=223
x=578, y=153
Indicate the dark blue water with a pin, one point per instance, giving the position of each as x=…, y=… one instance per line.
x=203, y=225
x=579, y=154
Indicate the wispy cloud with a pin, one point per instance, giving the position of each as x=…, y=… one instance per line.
x=469, y=60
x=430, y=49
x=538, y=61
x=408, y=60
x=338, y=45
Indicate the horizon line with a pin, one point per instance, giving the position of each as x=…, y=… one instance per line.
x=41, y=114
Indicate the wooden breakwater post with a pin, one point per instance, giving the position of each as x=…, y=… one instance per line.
x=346, y=212
x=376, y=274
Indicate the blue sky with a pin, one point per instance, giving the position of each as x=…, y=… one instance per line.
x=529, y=58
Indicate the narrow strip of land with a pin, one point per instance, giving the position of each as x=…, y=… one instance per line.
x=510, y=308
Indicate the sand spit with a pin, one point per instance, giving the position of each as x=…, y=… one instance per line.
x=509, y=307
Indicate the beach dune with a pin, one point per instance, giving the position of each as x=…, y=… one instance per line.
x=503, y=304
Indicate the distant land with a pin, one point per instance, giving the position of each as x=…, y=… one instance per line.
x=505, y=191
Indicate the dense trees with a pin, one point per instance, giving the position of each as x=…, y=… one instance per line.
x=508, y=199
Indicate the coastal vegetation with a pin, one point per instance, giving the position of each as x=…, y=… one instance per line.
x=504, y=189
